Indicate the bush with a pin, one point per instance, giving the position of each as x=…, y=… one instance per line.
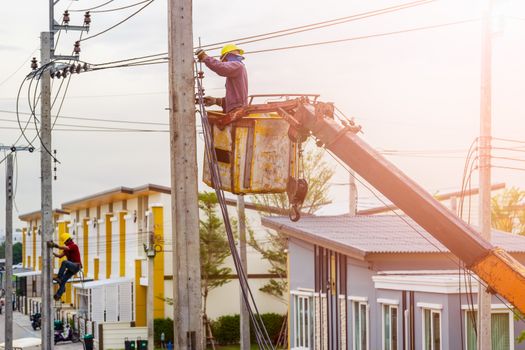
x=273, y=323
x=163, y=325
x=226, y=329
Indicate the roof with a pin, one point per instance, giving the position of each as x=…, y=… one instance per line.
x=113, y=195
x=361, y=235
x=36, y=215
x=100, y=283
x=439, y=197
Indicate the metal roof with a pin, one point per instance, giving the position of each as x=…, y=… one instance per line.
x=375, y=234
x=99, y=283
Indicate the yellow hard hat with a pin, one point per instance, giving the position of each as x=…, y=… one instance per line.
x=229, y=48
x=64, y=237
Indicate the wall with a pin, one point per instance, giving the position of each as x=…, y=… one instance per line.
x=114, y=334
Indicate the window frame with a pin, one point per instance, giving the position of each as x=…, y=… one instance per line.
x=383, y=336
x=307, y=323
x=432, y=312
x=360, y=301
x=495, y=309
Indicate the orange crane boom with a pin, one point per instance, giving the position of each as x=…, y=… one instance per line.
x=500, y=271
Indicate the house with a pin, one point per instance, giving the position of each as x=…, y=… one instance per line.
x=383, y=282
x=110, y=229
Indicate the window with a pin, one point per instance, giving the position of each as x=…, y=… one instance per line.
x=501, y=326
x=360, y=325
x=389, y=327
x=303, y=322
x=431, y=329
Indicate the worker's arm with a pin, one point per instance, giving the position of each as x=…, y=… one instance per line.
x=61, y=247
x=224, y=69
x=59, y=255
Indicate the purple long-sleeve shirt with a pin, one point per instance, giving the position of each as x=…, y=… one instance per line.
x=236, y=81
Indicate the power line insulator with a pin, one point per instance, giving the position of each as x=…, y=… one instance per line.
x=13, y=149
x=52, y=73
x=87, y=19
x=72, y=68
x=79, y=67
x=34, y=63
x=85, y=66
x=65, y=71
x=58, y=74
x=76, y=48
x=66, y=18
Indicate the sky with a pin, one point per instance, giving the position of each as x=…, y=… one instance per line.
x=416, y=94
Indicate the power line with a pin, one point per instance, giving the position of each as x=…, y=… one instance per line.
x=120, y=8
x=94, y=119
x=318, y=25
x=363, y=37
x=93, y=8
x=119, y=23
x=18, y=69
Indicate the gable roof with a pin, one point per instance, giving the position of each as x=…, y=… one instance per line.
x=375, y=234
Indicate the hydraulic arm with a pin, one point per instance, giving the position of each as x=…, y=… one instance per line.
x=501, y=272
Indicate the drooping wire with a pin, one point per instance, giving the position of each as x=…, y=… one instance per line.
x=261, y=333
x=120, y=8
x=119, y=23
x=93, y=8
x=318, y=25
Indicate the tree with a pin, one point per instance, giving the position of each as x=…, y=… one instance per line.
x=508, y=211
x=317, y=173
x=17, y=252
x=214, y=247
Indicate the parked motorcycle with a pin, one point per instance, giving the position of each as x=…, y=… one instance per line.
x=35, y=321
x=67, y=334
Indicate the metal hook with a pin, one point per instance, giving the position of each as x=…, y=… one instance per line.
x=294, y=214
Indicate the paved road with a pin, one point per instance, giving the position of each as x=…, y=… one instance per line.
x=22, y=328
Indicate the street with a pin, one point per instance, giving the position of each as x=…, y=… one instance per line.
x=22, y=329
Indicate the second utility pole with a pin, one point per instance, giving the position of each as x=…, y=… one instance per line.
x=484, y=298
x=184, y=197
x=9, y=254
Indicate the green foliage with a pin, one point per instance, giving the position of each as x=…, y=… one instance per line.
x=226, y=329
x=17, y=252
x=318, y=174
x=163, y=325
x=273, y=323
x=507, y=211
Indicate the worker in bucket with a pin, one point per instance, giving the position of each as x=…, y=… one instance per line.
x=232, y=67
x=70, y=266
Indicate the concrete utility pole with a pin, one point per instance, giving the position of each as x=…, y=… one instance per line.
x=150, y=252
x=245, y=317
x=352, y=193
x=184, y=197
x=9, y=254
x=46, y=44
x=484, y=298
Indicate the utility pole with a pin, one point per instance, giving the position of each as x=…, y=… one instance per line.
x=484, y=298
x=184, y=196
x=47, y=55
x=46, y=44
x=9, y=253
x=150, y=252
x=352, y=193
x=245, y=317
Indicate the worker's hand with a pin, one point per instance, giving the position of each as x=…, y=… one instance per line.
x=209, y=101
x=201, y=54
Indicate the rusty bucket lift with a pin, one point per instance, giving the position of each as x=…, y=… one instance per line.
x=255, y=151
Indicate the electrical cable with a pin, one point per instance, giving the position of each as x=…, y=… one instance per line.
x=261, y=333
x=120, y=8
x=119, y=23
x=305, y=28
x=96, y=119
x=362, y=37
x=321, y=24
x=18, y=69
x=93, y=8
